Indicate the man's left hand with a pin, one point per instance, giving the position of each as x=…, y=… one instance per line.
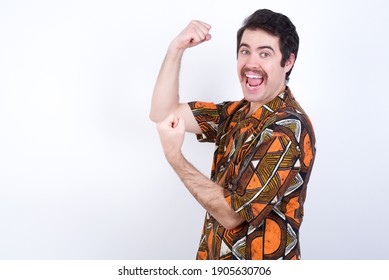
x=171, y=133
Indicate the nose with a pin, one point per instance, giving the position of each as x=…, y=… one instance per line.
x=253, y=61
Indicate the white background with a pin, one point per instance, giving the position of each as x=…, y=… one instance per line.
x=82, y=174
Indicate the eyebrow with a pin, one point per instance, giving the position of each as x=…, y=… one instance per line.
x=259, y=48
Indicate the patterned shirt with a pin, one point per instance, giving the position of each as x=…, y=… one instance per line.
x=263, y=163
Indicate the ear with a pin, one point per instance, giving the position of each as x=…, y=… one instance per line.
x=290, y=62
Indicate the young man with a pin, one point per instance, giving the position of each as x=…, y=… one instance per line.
x=265, y=143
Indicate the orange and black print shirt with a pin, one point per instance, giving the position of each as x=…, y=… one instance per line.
x=263, y=163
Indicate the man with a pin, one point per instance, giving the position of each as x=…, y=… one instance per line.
x=265, y=143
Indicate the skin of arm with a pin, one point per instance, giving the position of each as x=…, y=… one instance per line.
x=206, y=192
x=165, y=98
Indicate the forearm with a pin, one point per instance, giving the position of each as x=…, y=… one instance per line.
x=165, y=96
x=206, y=192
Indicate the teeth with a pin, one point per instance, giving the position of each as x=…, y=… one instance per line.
x=253, y=76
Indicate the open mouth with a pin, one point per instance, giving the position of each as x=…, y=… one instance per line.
x=254, y=79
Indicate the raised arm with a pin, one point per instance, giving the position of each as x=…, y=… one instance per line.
x=165, y=98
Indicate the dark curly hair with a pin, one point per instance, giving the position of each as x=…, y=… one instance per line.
x=278, y=25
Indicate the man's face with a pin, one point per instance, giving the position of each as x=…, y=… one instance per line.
x=259, y=67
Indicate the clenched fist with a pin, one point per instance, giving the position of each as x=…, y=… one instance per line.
x=195, y=33
x=171, y=132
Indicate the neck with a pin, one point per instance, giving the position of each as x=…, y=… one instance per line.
x=254, y=106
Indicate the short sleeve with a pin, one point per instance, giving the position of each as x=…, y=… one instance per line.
x=207, y=116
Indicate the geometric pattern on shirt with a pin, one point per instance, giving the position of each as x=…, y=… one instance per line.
x=263, y=163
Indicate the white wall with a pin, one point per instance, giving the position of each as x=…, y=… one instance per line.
x=82, y=174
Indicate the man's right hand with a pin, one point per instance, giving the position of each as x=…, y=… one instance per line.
x=194, y=34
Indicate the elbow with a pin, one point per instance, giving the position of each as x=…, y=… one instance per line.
x=157, y=116
x=228, y=227
x=154, y=117
x=232, y=223
x=159, y=112
x=223, y=213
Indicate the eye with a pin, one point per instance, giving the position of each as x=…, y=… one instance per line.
x=244, y=52
x=264, y=54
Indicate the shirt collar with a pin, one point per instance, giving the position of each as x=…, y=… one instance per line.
x=270, y=107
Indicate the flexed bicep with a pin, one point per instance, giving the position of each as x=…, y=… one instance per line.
x=191, y=125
